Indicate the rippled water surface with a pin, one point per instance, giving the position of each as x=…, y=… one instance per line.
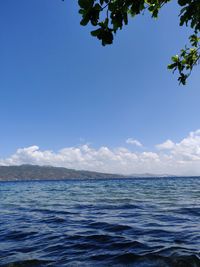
x=131, y=222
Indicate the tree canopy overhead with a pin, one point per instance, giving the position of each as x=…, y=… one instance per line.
x=109, y=16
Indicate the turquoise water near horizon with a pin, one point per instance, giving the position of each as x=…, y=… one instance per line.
x=150, y=222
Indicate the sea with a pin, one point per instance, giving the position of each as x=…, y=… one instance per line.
x=139, y=222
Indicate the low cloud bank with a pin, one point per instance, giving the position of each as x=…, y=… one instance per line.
x=182, y=158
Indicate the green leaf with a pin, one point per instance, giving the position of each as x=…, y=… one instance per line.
x=172, y=66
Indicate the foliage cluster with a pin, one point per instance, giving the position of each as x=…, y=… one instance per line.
x=109, y=16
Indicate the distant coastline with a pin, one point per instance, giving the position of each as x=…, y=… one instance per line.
x=36, y=172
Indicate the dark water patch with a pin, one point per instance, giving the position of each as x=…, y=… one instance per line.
x=130, y=259
x=194, y=211
x=103, y=239
x=85, y=246
x=28, y=263
x=129, y=246
x=118, y=206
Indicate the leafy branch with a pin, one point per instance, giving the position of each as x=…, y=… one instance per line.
x=109, y=16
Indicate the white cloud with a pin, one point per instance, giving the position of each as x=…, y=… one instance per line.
x=182, y=158
x=133, y=142
x=168, y=144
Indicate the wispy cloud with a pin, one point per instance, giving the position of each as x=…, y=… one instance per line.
x=181, y=158
x=133, y=141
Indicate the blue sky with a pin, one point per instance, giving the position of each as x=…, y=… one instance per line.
x=60, y=88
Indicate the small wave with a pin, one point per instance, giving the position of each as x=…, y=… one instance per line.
x=53, y=219
x=19, y=235
x=110, y=227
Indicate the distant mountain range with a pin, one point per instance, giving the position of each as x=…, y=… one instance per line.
x=35, y=172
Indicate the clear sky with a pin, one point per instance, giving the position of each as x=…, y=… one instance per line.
x=60, y=89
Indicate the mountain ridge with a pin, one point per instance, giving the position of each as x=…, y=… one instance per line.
x=37, y=172
x=46, y=172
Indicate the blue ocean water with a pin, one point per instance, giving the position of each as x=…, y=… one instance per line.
x=120, y=222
